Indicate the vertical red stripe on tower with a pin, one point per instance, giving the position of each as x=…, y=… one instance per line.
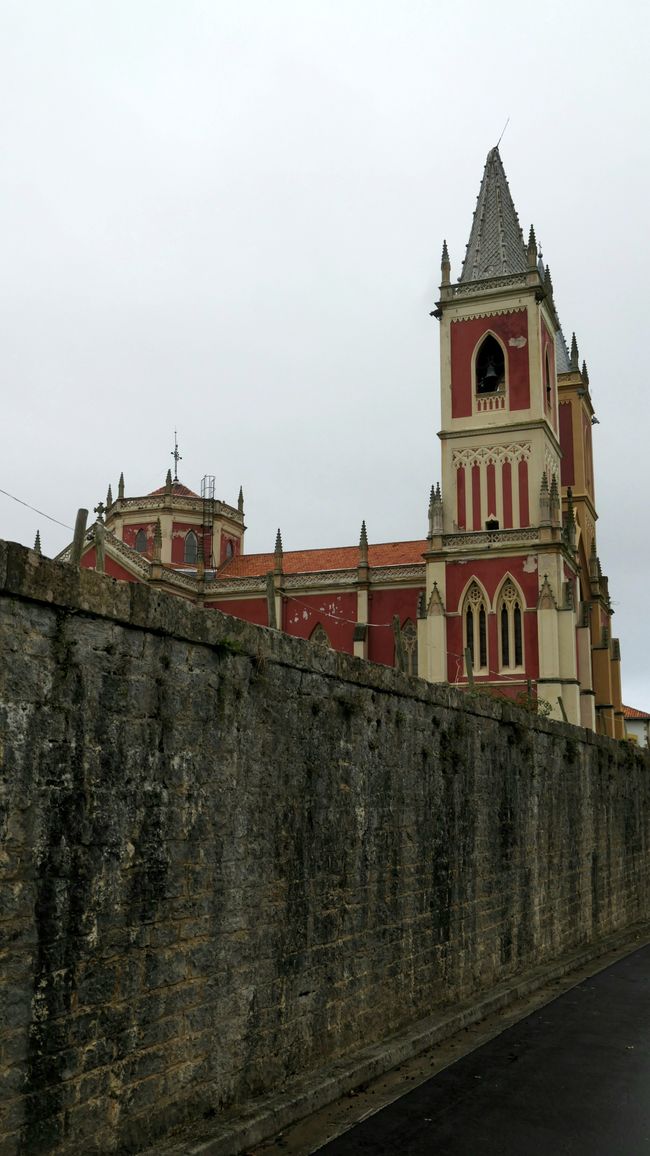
x=476, y=497
x=460, y=498
x=491, y=491
x=524, y=517
x=506, y=479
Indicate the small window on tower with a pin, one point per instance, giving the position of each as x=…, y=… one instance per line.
x=141, y=542
x=191, y=554
x=229, y=549
x=490, y=367
x=492, y=524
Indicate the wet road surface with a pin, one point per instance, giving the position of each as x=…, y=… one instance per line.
x=573, y=1077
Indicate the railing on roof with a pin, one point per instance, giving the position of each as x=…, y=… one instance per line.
x=490, y=537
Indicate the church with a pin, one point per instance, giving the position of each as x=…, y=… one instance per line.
x=506, y=591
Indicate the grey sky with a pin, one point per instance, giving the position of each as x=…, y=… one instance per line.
x=228, y=217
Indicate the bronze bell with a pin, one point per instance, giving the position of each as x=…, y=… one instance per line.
x=490, y=377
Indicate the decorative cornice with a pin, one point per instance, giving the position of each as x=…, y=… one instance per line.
x=474, y=288
x=488, y=313
x=475, y=455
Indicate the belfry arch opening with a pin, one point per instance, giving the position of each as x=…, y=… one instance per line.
x=490, y=366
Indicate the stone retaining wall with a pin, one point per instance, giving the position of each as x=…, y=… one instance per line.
x=229, y=857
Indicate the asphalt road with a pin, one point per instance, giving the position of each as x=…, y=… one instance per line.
x=573, y=1077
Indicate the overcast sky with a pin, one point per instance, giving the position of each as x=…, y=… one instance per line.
x=227, y=217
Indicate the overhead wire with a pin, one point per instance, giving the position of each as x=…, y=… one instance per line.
x=41, y=513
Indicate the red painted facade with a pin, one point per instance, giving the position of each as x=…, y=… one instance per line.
x=112, y=568
x=250, y=609
x=335, y=612
x=130, y=532
x=466, y=336
x=383, y=604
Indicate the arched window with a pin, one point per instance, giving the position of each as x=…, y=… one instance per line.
x=511, y=641
x=319, y=636
x=410, y=643
x=475, y=622
x=191, y=553
x=547, y=380
x=141, y=541
x=229, y=549
x=490, y=367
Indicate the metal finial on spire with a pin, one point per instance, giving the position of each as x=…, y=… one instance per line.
x=37, y=542
x=176, y=456
x=574, y=357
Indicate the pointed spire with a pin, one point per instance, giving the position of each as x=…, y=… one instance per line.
x=496, y=244
x=548, y=283
x=554, y=501
x=363, y=545
x=109, y=497
x=120, y=488
x=544, y=500
x=546, y=600
x=37, y=542
x=240, y=500
x=157, y=541
x=435, y=510
x=168, y=484
x=435, y=605
x=445, y=265
x=594, y=564
x=574, y=357
x=570, y=519
x=531, y=252
x=585, y=374
x=278, y=552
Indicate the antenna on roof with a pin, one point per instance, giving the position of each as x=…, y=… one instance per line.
x=503, y=131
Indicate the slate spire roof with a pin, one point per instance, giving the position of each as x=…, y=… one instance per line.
x=496, y=243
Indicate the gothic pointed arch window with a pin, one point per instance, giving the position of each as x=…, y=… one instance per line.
x=510, y=622
x=410, y=643
x=475, y=627
x=548, y=393
x=490, y=366
x=191, y=551
x=141, y=541
x=319, y=636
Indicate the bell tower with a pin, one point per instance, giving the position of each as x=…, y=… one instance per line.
x=502, y=563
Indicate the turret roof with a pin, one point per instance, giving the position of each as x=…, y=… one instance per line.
x=496, y=243
x=562, y=359
x=178, y=490
x=335, y=558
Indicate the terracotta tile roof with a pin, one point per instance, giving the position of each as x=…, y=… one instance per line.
x=178, y=489
x=313, y=561
x=631, y=712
